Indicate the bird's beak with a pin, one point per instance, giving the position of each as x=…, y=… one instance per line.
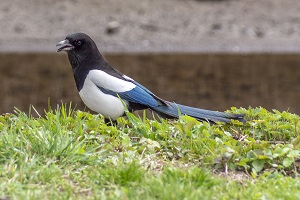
x=64, y=46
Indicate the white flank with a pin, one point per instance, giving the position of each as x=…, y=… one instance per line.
x=105, y=104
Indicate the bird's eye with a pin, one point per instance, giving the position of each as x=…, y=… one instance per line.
x=78, y=42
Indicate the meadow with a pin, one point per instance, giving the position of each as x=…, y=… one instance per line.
x=65, y=153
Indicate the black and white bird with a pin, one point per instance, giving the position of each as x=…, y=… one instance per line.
x=105, y=90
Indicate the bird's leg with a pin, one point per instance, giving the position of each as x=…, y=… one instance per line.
x=110, y=122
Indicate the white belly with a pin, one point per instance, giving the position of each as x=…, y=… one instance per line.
x=107, y=105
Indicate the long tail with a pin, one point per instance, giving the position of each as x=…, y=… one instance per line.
x=172, y=110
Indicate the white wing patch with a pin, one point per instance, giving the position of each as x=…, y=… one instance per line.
x=109, y=82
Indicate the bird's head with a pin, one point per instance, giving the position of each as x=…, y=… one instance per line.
x=80, y=47
x=76, y=42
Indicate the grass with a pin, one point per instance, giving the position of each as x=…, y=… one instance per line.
x=70, y=154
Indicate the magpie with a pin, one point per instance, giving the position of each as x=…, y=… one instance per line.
x=107, y=91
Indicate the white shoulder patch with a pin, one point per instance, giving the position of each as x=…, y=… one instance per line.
x=106, y=81
x=128, y=78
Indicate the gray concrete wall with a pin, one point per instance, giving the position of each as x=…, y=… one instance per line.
x=153, y=25
x=204, y=53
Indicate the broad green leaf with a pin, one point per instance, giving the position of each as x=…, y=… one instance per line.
x=288, y=161
x=258, y=165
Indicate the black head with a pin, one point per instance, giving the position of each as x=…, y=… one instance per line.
x=75, y=42
x=80, y=48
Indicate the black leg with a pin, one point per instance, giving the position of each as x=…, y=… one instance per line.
x=110, y=122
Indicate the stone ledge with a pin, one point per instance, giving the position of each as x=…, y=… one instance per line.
x=211, y=81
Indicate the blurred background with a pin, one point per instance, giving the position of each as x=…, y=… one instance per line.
x=212, y=54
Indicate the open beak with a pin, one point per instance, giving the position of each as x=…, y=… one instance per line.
x=64, y=46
